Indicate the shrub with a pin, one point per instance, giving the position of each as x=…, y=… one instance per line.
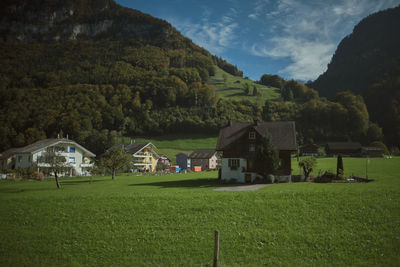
x=327, y=177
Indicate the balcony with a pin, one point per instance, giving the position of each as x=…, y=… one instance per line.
x=143, y=155
x=86, y=165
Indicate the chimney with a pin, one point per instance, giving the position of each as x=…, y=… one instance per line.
x=67, y=136
x=131, y=141
x=58, y=136
x=256, y=122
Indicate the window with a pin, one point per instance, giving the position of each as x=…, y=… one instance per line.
x=252, y=135
x=234, y=163
x=252, y=147
x=71, y=160
x=71, y=149
x=19, y=158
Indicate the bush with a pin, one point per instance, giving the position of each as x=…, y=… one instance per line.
x=327, y=177
x=297, y=178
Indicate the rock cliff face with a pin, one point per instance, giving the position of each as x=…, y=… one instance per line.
x=44, y=20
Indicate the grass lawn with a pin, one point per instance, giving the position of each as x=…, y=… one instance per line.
x=232, y=88
x=171, y=145
x=170, y=221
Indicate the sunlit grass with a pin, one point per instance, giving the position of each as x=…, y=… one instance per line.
x=169, y=221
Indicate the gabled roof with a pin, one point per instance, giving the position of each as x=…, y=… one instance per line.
x=42, y=144
x=202, y=154
x=283, y=134
x=343, y=146
x=137, y=147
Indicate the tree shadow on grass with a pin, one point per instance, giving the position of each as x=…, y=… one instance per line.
x=194, y=183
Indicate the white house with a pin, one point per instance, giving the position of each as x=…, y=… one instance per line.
x=78, y=159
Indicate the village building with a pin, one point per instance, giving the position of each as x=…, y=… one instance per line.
x=206, y=159
x=309, y=150
x=238, y=143
x=350, y=149
x=78, y=160
x=373, y=152
x=144, y=156
x=183, y=160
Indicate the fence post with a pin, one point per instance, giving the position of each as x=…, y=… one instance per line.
x=216, y=248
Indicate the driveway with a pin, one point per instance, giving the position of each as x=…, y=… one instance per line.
x=251, y=187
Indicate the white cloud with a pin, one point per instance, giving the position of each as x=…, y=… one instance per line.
x=215, y=36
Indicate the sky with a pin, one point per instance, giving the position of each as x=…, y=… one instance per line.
x=292, y=38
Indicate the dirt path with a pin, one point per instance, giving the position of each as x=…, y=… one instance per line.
x=252, y=187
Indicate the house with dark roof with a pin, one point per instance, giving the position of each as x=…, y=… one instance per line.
x=79, y=160
x=351, y=149
x=309, y=150
x=207, y=159
x=183, y=160
x=144, y=155
x=238, y=143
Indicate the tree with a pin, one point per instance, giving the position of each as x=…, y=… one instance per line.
x=339, y=167
x=246, y=88
x=54, y=162
x=115, y=159
x=307, y=164
x=255, y=91
x=267, y=157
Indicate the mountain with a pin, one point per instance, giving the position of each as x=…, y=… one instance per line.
x=367, y=62
x=95, y=70
x=368, y=55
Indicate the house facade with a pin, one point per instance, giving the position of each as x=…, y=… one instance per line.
x=78, y=160
x=309, y=150
x=144, y=156
x=207, y=159
x=183, y=160
x=238, y=143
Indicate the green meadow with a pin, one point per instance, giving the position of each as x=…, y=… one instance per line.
x=231, y=88
x=170, y=221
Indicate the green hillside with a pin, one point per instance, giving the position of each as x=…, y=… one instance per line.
x=232, y=88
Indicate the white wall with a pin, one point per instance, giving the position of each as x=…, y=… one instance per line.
x=227, y=173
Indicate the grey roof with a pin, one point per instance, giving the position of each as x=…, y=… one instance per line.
x=135, y=147
x=202, y=154
x=283, y=134
x=9, y=152
x=39, y=145
x=343, y=145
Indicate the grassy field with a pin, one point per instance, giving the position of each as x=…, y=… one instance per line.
x=170, y=221
x=171, y=145
x=232, y=88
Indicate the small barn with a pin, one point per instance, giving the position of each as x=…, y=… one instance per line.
x=350, y=149
x=207, y=159
x=309, y=150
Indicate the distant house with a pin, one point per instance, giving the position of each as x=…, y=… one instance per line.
x=164, y=160
x=144, y=155
x=238, y=143
x=79, y=160
x=207, y=159
x=373, y=152
x=309, y=150
x=183, y=160
x=352, y=149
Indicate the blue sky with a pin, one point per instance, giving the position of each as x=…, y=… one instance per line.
x=292, y=38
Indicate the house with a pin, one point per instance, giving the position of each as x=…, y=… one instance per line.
x=207, y=159
x=309, y=150
x=164, y=160
x=183, y=160
x=238, y=143
x=352, y=149
x=144, y=154
x=7, y=159
x=79, y=160
x=373, y=152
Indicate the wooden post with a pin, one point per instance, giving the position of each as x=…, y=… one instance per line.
x=216, y=248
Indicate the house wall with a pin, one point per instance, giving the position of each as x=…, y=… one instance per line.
x=227, y=173
x=213, y=162
x=23, y=160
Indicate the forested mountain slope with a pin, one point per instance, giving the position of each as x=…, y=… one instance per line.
x=367, y=62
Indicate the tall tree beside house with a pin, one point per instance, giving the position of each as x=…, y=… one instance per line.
x=115, y=159
x=267, y=157
x=55, y=162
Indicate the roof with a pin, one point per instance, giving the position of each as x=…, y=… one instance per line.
x=202, y=154
x=9, y=152
x=42, y=144
x=343, y=146
x=134, y=148
x=283, y=134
